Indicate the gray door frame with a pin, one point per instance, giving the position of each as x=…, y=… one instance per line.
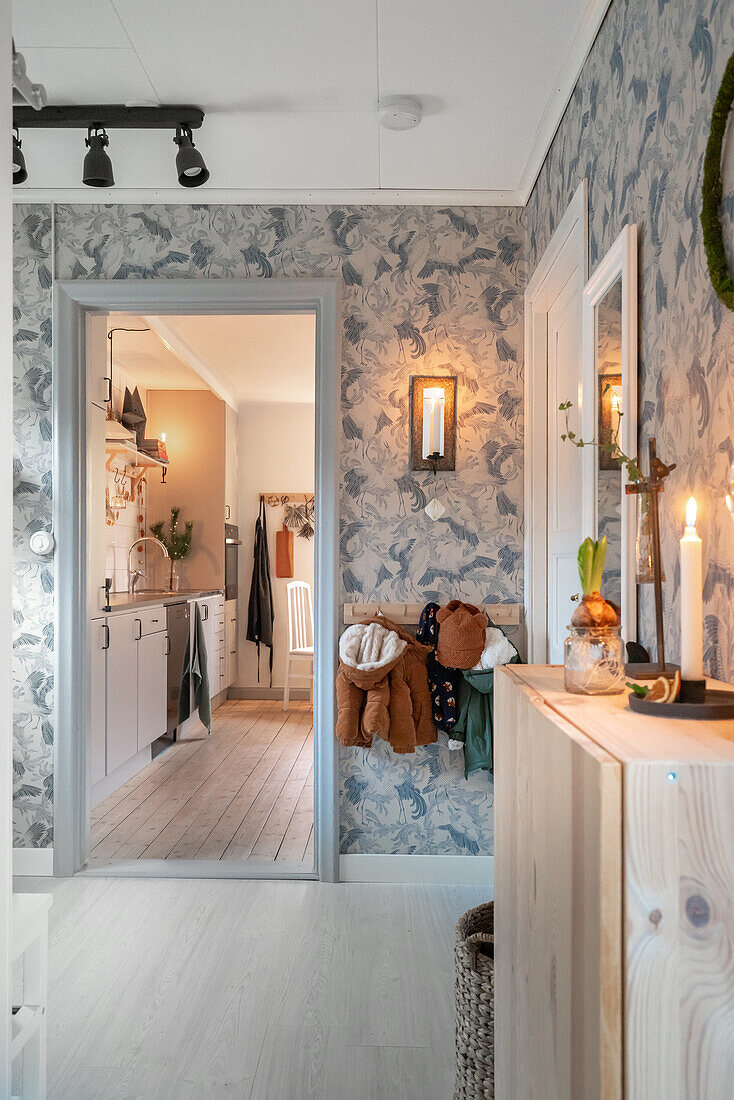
x=73, y=300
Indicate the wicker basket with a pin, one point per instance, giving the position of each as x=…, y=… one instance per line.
x=474, y=999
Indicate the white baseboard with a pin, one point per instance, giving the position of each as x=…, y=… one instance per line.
x=108, y=784
x=475, y=870
x=30, y=862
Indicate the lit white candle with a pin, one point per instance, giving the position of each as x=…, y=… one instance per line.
x=691, y=599
x=433, y=412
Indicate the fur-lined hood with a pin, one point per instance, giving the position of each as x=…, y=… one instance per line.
x=369, y=651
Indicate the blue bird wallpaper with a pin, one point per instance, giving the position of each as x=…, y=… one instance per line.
x=636, y=128
x=424, y=290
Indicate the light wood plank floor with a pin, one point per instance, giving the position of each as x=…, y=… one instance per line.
x=245, y=792
x=175, y=989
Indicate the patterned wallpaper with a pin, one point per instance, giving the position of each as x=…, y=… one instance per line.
x=637, y=127
x=425, y=290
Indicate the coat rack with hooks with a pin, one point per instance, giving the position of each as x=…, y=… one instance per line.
x=408, y=614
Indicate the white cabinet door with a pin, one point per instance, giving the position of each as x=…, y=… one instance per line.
x=122, y=690
x=230, y=466
x=230, y=642
x=152, y=652
x=98, y=701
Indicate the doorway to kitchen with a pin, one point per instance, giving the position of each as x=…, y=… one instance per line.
x=206, y=462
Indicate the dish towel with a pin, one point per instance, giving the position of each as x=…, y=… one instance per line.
x=200, y=673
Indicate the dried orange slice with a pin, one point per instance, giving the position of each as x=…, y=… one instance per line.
x=659, y=691
x=674, y=689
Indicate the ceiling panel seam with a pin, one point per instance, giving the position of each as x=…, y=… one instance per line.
x=113, y=5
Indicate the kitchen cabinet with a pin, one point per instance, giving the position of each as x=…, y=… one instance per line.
x=614, y=878
x=98, y=701
x=230, y=642
x=135, y=682
x=122, y=690
x=152, y=653
x=212, y=614
x=230, y=466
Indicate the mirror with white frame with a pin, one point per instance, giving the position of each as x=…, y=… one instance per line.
x=609, y=417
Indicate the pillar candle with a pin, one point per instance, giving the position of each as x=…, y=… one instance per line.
x=691, y=599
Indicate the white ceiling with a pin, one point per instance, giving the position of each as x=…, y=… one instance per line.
x=290, y=89
x=249, y=358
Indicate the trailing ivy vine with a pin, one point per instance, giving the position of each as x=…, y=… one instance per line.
x=713, y=190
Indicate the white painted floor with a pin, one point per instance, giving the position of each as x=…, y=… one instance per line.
x=256, y=990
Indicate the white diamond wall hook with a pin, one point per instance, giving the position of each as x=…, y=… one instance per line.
x=434, y=509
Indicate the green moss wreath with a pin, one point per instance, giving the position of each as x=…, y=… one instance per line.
x=713, y=190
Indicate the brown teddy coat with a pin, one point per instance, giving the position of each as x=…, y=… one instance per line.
x=382, y=687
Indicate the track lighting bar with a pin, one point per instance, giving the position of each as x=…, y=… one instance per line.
x=110, y=116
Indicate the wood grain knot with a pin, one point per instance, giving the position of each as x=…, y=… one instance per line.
x=655, y=917
x=698, y=910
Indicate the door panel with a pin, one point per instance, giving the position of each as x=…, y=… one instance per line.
x=564, y=461
x=98, y=700
x=152, y=664
x=122, y=691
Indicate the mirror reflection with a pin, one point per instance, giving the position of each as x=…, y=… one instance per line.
x=609, y=401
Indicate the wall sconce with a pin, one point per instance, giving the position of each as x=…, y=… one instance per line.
x=610, y=413
x=432, y=423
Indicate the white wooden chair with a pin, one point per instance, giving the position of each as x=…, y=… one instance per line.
x=300, y=632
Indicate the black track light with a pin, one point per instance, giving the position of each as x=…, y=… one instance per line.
x=20, y=175
x=192, y=171
x=97, y=165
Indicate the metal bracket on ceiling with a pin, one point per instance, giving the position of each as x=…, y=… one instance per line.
x=111, y=116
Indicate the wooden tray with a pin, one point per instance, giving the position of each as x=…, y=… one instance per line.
x=718, y=704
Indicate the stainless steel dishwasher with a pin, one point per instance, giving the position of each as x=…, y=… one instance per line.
x=178, y=702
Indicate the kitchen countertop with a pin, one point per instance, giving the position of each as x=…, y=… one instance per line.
x=125, y=601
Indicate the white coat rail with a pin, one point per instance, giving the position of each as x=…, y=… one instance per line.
x=408, y=614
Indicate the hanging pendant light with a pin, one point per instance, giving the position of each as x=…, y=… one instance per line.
x=20, y=175
x=97, y=165
x=190, y=166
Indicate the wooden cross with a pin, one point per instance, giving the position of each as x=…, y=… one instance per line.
x=653, y=485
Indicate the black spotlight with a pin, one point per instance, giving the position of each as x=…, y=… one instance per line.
x=97, y=165
x=192, y=171
x=20, y=175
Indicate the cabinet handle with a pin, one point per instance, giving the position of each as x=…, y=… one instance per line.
x=108, y=380
x=205, y=608
x=168, y=645
x=139, y=635
x=106, y=642
x=228, y=511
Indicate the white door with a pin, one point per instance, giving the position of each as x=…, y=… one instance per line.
x=98, y=700
x=565, y=531
x=122, y=690
x=553, y=483
x=152, y=667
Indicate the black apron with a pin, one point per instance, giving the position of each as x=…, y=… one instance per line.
x=260, y=611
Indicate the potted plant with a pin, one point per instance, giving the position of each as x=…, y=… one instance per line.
x=176, y=542
x=593, y=651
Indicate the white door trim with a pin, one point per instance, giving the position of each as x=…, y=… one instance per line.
x=620, y=262
x=573, y=224
x=73, y=300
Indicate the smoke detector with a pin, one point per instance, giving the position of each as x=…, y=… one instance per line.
x=399, y=113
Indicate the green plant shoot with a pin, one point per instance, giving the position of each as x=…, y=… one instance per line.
x=591, y=558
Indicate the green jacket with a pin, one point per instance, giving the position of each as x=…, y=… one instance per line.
x=475, y=725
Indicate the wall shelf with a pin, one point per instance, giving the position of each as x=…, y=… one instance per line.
x=137, y=459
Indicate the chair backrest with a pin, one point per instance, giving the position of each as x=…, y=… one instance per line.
x=300, y=615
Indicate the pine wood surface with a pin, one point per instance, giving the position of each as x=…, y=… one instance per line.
x=186, y=989
x=674, y=938
x=631, y=737
x=244, y=792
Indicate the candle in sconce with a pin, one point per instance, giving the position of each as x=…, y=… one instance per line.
x=433, y=416
x=691, y=599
